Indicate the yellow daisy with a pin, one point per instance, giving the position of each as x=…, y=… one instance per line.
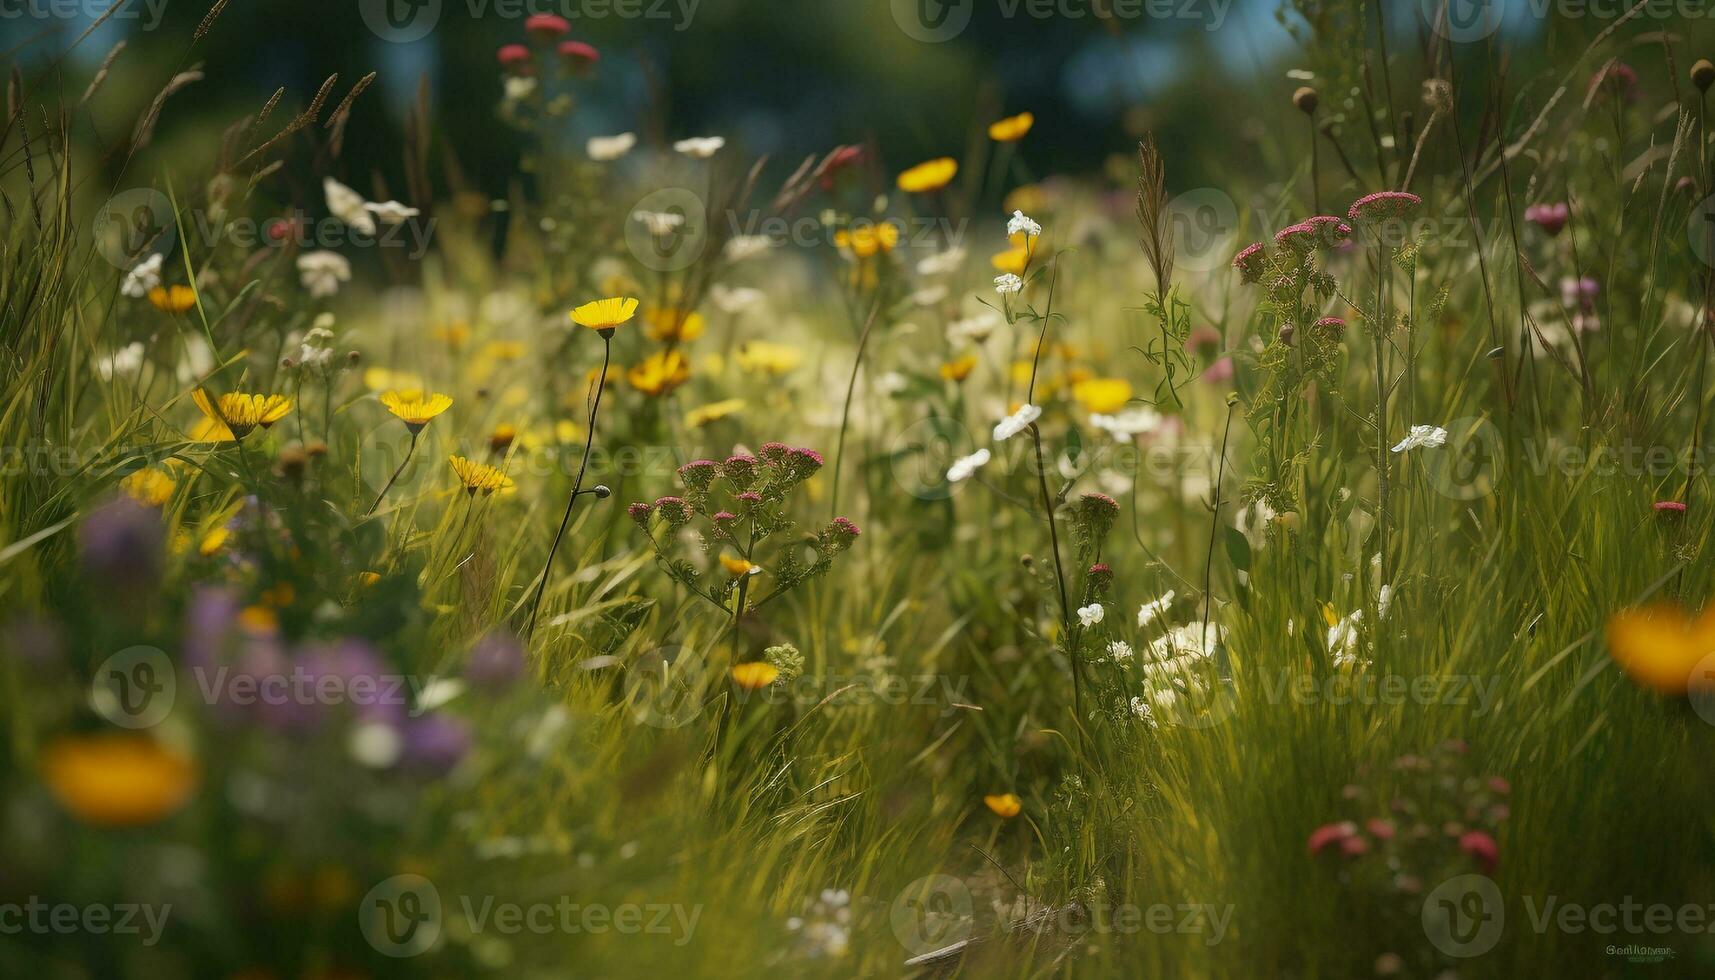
x=415, y=408
x=1005, y=805
x=605, y=314
x=1012, y=128
x=1102, y=396
x=660, y=373
x=763, y=357
x=930, y=176
x=479, y=477
x=150, y=487
x=241, y=413
x=755, y=675
x=117, y=779
x=677, y=326
x=712, y=412
x=960, y=368
x=867, y=239
x=173, y=299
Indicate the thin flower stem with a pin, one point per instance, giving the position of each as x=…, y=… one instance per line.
x=846, y=412
x=577, y=484
x=1215, y=525
x=390, y=480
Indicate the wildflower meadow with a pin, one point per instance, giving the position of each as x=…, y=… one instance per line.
x=616, y=488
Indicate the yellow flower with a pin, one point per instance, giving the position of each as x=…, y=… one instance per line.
x=479, y=477
x=212, y=542
x=1029, y=198
x=367, y=579
x=1660, y=646
x=959, y=369
x=712, y=412
x=739, y=567
x=930, y=176
x=173, y=299
x=1012, y=260
x=678, y=326
x=211, y=430
x=768, y=358
x=502, y=437
x=660, y=373
x=1102, y=396
x=117, y=779
x=755, y=675
x=150, y=487
x=503, y=350
x=456, y=334
x=380, y=379
x=415, y=408
x=1012, y=128
x=867, y=238
x=1005, y=805
x=241, y=413
x=605, y=314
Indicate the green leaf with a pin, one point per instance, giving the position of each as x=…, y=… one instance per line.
x=1238, y=549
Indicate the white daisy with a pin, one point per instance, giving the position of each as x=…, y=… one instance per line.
x=700, y=147
x=735, y=299
x=1128, y=423
x=659, y=223
x=348, y=206
x=144, y=276
x=965, y=466
x=1422, y=436
x=605, y=148
x=1016, y=422
x=127, y=360
x=741, y=247
x=392, y=212
x=973, y=329
x=942, y=263
x=322, y=272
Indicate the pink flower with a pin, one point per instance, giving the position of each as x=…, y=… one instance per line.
x=514, y=57
x=1384, y=205
x=1670, y=508
x=1482, y=848
x=546, y=26
x=580, y=56
x=1499, y=785
x=1331, y=835
x=1249, y=262
x=1219, y=372
x=1615, y=78
x=1379, y=828
x=1203, y=337
x=1549, y=217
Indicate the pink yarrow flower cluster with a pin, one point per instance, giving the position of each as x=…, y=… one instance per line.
x=577, y=56
x=1384, y=205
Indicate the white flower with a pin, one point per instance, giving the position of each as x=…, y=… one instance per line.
x=323, y=271
x=1148, y=612
x=1016, y=422
x=1195, y=641
x=735, y=299
x=1019, y=222
x=892, y=383
x=1141, y=708
x=659, y=223
x=700, y=147
x=605, y=148
x=392, y=212
x=127, y=360
x=942, y=263
x=348, y=206
x=520, y=87
x=1429, y=436
x=144, y=276
x=1007, y=283
x=1091, y=614
x=741, y=247
x=973, y=329
x=964, y=466
x=929, y=295
x=1343, y=639
x=1383, y=600
x=1120, y=650
x=1128, y=423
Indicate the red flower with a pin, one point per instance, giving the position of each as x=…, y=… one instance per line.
x=546, y=26
x=514, y=56
x=1482, y=849
x=579, y=56
x=1331, y=835
x=1670, y=508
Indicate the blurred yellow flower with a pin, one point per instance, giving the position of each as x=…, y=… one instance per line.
x=242, y=413
x=173, y=299
x=456, y=334
x=213, y=541
x=415, y=408
x=150, y=487
x=764, y=357
x=1030, y=199
x=755, y=675
x=380, y=379
x=1005, y=805
x=503, y=350
x=1660, y=646
x=117, y=779
x=660, y=373
x=677, y=326
x=960, y=368
x=1012, y=260
x=1102, y=396
x=479, y=477
x=738, y=567
x=867, y=238
x=605, y=314
x=930, y=176
x=712, y=412
x=1012, y=128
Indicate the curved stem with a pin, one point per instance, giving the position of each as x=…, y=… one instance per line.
x=390, y=480
x=577, y=484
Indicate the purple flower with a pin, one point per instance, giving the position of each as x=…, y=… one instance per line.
x=496, y=661
x=121, y=545
x=1549, y=217
x=434, y=744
